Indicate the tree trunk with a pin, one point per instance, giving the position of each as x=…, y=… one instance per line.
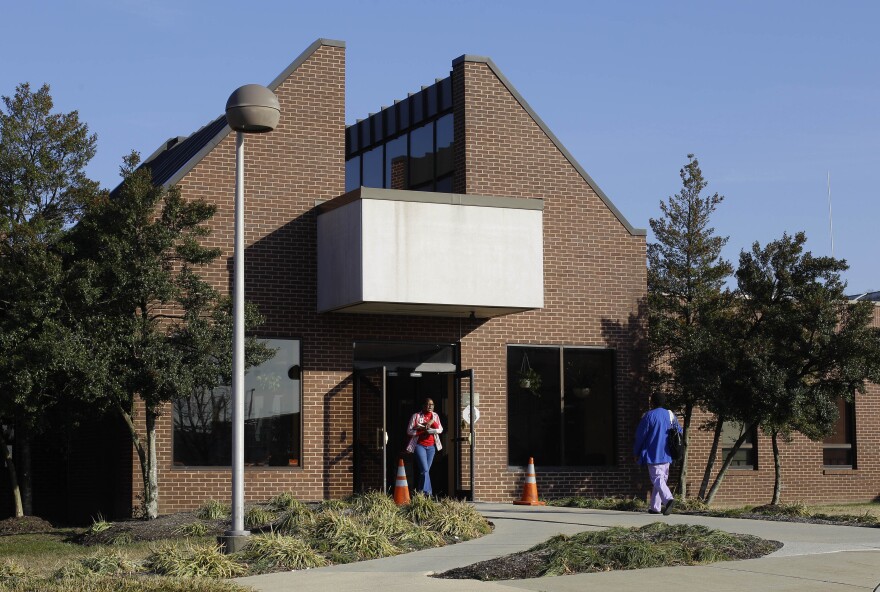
x=13, y=479
x=777, y=465
x=686, y=430
x=151, y=483
x=142, y=453
x=24, y=464
x=713, y=454
x=727, y=460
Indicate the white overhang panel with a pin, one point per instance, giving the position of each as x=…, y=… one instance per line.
x=405, y=252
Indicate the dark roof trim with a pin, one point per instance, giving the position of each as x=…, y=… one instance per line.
x=211, y=143
x=595, y=187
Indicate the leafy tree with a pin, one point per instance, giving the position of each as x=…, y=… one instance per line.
x=686, y=275
x=43, y=188
x=158, y=330
x=805, y=346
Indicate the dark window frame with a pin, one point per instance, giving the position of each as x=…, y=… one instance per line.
x=613, y=463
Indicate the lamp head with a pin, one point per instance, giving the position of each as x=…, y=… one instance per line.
x=253, y=109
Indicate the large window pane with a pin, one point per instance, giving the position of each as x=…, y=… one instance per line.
x=747, y=455
x=272, y=405
x=838, y=449
x=373, y=166
x=589, y=407
x=445, y=156
x=352, y=173
x=421, y=149
x=560, y=418
x=534, y=420
x=395, y=164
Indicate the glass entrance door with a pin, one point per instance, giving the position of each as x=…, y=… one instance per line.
x=370, y=430
x=464, y=438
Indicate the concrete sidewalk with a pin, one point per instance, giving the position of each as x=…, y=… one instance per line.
x=813, y=558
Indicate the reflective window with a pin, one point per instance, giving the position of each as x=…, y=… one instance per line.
x=352, y=173
x=395, y=164
x=421, y=148
x=561, y=418
x=372, y=171
x=273, y=419
x=747, y=455
x=838, y=449
x=445, y=185
x=444, y=152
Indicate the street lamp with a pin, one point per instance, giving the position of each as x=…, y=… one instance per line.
x=251, y=109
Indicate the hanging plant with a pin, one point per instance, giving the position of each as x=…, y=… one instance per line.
x=529, y=379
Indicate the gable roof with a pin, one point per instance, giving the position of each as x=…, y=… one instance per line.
x=524, y=104
x=177, y=156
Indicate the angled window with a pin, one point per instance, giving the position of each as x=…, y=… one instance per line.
x=273, y=418
x=838, y=449
x=746, y=457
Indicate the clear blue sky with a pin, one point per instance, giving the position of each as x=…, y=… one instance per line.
x=770, y=96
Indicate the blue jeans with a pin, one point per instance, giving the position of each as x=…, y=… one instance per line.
x=424, y=457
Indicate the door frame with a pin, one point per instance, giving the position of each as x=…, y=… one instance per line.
x=382, y=433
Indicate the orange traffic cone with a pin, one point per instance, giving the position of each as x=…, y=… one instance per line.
x=530, y=488
x=401, y=487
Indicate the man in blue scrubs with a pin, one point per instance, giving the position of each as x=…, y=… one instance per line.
x=650, y=449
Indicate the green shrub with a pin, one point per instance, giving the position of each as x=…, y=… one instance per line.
x=276, y=550
x=258, y=516
x=213, y=510
x=193, y=561
x=192, y=529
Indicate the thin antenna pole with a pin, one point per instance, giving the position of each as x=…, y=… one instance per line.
x=830, y=219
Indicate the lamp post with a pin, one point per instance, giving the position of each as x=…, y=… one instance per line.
x=251, y=109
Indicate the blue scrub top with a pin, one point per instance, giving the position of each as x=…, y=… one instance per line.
x=650, y=444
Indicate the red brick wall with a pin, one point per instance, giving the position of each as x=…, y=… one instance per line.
x=594, y=282
x=803, y=476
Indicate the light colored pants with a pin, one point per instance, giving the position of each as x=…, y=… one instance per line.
x=424, y=458
x=659, y=474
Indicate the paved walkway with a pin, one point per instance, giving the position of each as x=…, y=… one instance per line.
x=814, y=557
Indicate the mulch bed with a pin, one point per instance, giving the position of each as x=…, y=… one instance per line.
x=163, y=527
x=25, y=525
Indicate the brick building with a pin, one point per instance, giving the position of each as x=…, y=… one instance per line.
x=446, y=246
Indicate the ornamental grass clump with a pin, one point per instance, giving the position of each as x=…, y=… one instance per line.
x=193, y=561
x=110, y=562
x=374, y=503
x=298, y=519
x=99, y=525
x=420, y=508
x=284, y=502
x=258, y=516
x=796, y=509
x=347, y=539
x=192, y=529
x=453, y=518
x=274, y=550
x=213, y=510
